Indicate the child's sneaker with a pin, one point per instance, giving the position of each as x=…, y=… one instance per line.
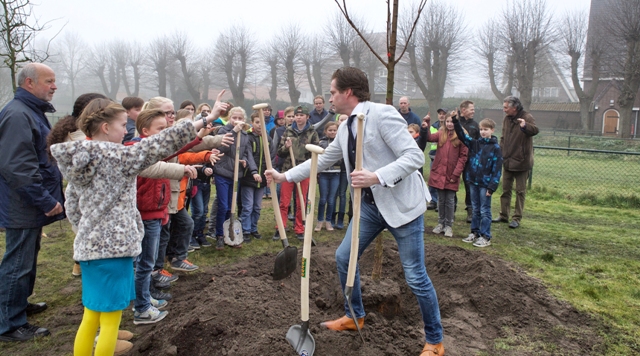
x=163, y=276
x=470, y=239
x=448, y=231
x=159, y=303
x=220, y=243
x=183, y=265
x=150, y=316
x=482, y=242
x=158, y=294
x=438, y=229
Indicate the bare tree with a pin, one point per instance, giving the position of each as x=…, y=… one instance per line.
x=271, y=56
x=291, y=41
x=314, y=57
x=104, y=63
x=524, y=28
x=206, y=67
x=499, y=59
x=182, y=49
x=392, y=35
x=158, y=54
x=235, y=55
x=136, y=62
x=433, y=52
x=339, y=35
x=73, y=55
x=18, y=30
x=573, y=41
x=622, y=24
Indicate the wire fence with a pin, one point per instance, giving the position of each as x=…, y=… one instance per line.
x=591, y=176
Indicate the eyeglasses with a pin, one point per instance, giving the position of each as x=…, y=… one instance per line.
x=169, y=113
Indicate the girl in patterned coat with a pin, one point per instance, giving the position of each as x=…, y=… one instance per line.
x=101, y=203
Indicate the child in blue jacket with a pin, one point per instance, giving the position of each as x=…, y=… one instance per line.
x=483, y=175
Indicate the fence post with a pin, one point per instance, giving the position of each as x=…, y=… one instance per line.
x=568, y=151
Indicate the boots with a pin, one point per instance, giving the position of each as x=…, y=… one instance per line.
x=340, y=221
x=77, y=271
x=319, y=226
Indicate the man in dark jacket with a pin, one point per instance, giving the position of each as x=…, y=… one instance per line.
x=30, y=197
x=516, y=143
x=405, y=110
x=467, y=111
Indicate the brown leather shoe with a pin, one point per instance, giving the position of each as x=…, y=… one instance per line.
x=125, y=335
x=344, y=323
x=433, y=350
x=122, y=347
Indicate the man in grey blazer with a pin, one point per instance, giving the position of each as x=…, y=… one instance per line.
x=394, y=195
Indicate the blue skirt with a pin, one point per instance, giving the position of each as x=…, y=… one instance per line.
x=108, y=284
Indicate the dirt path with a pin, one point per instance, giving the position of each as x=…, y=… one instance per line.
x=486, y=304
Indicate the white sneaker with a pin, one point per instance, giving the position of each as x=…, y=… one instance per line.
x=438, y=229
x=470, y=239
x=482, y=242
x=150, y=316
x=159, y=303
x=448, y=232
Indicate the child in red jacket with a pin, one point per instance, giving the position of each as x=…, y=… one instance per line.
x=448, y=165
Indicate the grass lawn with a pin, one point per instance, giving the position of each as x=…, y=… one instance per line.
x=587, y=255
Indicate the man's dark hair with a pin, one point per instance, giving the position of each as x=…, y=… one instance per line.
x=465, y=104
x=131, y=102
x=354, y=79
x=513, y=102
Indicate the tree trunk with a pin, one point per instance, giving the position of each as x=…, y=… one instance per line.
x=585, y=114
x=136, y=80
x=162, y=80
x=307, y=66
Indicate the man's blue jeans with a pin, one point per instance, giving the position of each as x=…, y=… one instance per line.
x=18, y=276
x=251, y=207
x=224, y=192
x=200, y=208
x=328, y=183
x=481, y=205
x=145, y=262
x=411, y=249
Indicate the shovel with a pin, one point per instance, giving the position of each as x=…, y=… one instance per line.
x=355, y=226
x=287, y=259
x=299, y=336
x=232, y=227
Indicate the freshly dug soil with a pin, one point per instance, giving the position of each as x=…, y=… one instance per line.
x=487, y=305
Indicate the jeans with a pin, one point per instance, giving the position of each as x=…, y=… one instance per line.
x=179, y=229
x=342, y=195
x=446, y=202
x=328, y=183
x=224, y=192
x=145, y=262
x=165, y=234
x=521, y=189
x=286, y=190
x=18, y=276
x=251, y=206
x=411, y=250
x=200, y=208
x=212, y=216
x=481, y=219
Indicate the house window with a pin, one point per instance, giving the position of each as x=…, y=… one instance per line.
x=383, y=73
x=536, y=92
x=554, y=92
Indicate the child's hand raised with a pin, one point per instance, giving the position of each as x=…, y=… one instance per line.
x=522, y=123
x=426, y=121
x=218, y=107
x=288, y=143
x=205, y=131
x=215, y=156
x=227, y=139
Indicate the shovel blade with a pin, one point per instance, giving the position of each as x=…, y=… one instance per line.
x=302, y=341
x=286, y=262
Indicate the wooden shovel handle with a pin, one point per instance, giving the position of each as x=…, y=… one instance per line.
x=308, y=235
x=267, y=158
x=357, y=199
x=302, y=200
x=235, y=175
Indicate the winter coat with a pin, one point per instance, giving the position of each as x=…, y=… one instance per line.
x=153, y=191
x=411, y=117
x=448, y=164
x=225, y=166
x=257, y=151
x=334, y=168
x=484, y=166
x=299, y=138
x=30, y=184
x=101, y=190
x=471, y=126
x=189, y=158
x=517, y=143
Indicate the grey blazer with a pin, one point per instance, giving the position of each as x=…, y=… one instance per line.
x=391, y=152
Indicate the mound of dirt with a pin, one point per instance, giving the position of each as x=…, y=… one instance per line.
x=239, y=310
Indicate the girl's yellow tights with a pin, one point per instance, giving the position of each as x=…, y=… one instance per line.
x=109, y=324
